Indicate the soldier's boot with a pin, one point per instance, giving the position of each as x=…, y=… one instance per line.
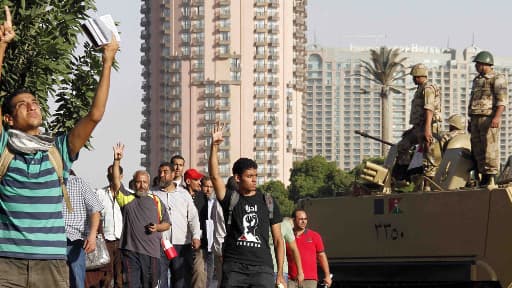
x=417, y=180
x=492, y=182
x=399, y=172
x=484, y=181
x=426, y=185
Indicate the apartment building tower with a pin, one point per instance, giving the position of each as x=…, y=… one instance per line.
x=241, y=62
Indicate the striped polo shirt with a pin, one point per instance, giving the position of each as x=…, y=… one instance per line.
x=31, y=221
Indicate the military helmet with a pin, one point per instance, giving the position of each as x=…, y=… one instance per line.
x=458, y=121
x=419, y=70
x=484, y=57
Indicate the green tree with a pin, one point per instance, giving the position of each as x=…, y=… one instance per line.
x=316, y=177
x=42, y=58
x=277, y=189
x=385, y=68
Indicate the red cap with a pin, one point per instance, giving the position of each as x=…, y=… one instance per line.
x=192, y=174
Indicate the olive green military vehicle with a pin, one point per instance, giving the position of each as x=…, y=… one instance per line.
x=452, y=236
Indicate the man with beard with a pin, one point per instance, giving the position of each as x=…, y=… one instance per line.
x=185, y=233
x=144, y=217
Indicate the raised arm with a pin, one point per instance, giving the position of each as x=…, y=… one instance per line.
x=116, y=170
x=213, y=162
x=6, y=36
x=83, y=129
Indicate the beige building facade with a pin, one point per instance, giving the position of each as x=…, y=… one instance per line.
x=241, y=62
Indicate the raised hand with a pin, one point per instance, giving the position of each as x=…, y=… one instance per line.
x=110, y=50
x=6, y=29
x=217, y=137
x=118, y=151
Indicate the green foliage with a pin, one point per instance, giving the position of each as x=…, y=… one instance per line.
x=278, y=191
x=42, y=58
x=317, y=177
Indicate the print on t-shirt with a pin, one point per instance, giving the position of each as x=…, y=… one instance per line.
x=250, y=224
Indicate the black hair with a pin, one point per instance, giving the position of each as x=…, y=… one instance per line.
x=204, y=179
x=177, y=156
x=111, y=167
x=7, y=108
x=243, y=164
x=294, y=213
x=166, y=164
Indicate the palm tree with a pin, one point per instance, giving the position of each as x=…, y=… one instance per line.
x=385, y=69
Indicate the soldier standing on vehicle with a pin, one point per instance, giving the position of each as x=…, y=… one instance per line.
x=487, y=103
x=425, y=116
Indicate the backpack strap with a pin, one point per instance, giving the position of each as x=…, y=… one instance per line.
x=232, y=202
x=56, y=160
x=269, y=200
x=5, y=159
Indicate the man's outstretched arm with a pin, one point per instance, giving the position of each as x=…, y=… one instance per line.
x=83, y=129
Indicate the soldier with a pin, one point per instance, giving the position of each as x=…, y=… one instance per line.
x=487, y=103
x=425, y=116
x=457, y=124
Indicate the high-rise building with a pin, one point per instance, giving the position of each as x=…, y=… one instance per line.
x=338, y=100
x=241, y=62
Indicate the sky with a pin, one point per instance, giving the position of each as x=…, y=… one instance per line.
x=331, y=23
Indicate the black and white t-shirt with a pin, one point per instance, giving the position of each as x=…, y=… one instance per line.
x=247, y=237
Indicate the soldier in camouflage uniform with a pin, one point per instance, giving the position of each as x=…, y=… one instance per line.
x=457, y=124
x=425, y=116
x=487, y=103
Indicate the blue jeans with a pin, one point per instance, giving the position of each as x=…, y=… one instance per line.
x=76, y=263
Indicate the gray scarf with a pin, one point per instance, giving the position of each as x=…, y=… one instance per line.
x=25, y=143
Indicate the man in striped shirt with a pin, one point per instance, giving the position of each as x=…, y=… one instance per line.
x=32, y=234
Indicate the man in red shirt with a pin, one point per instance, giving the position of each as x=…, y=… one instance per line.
x=311, y=249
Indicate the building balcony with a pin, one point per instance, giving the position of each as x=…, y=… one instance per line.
x=145, y=125
x=273, y=43
x=144, y=162
x=197, y=67
x=220, y=41
x=260, y=121
x=273, y=16
x=260, y=15
x=259, y=94
x=259, y=68
x=260, y=29
x=196, y=28
x=273, y=3
x=273, y=55
x=299, y=60
x=274, y=146
x=259, y=81
x=260, y=42
x=273, y=81
x=299, y=21
x=260, y=56
x=144, y=8
x=222, y=94
x=221, y=54
x=299, y=34
x=260, y=108
x=145, y=85
x=146, y=111
x=196, y=16
x=273, y=108
x=197, y=41
x=196, y=55
x=260, y=3
x=223, y=2
x=273, y=29
x=222, y=14
x=273, y=68
x=273, y=94
x=196, y=2
x=223, y=27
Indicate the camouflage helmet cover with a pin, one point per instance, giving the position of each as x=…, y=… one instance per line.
x=484, y=57
x=458, y=121
x=419, y=70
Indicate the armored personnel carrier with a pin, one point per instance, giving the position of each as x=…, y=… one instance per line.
x=452, y=237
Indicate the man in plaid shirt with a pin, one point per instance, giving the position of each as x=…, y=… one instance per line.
x=81, y=227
